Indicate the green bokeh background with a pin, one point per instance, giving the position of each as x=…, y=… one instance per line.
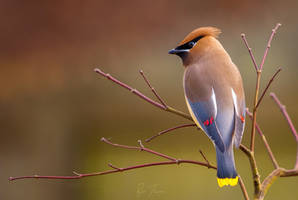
x=54, y=108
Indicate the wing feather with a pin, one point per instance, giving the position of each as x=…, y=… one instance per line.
x=204, y=114
x=239, y=119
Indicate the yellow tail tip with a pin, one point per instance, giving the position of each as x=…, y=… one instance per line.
x=227, y=181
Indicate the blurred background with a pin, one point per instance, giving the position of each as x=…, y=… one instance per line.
x=54, y=108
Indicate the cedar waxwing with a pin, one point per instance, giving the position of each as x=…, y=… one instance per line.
x=214, y=96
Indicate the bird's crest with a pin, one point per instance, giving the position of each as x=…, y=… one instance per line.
x=201, y=32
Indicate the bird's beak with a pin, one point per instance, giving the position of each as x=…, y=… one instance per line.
x=178, y=51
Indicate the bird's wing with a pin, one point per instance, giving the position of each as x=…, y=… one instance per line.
x=204, y=114
x=240, y=107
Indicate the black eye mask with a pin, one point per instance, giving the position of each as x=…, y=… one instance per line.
x=189, y=44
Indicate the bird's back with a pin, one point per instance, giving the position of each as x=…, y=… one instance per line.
x=214, y=70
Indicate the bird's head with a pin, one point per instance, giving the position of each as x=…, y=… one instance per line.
x=195, y=43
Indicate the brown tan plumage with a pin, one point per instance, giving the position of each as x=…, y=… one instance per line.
x=214, y=95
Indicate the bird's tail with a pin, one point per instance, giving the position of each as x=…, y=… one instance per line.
x=226, y=172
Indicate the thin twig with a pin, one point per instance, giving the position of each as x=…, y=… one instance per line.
x=286, y=115
x=267, y=87
x=254, y=118
x=270, y=153
x=153, y=90
x=269, y=45
x=254, y=168
x=268, y=181
x=243, y=189
x=144, y=97
x=253, y=165
x=256, y=176
x=280, y=172
x=76, y=173
x=79, y=176
x=202, y=154
x=141, y=145
x=134, y=91
x=169, y=130
x=288, y=119
x=290, y=172
x=141, y=148
x=245, y=150
x=250, y=51
x=112, y=166
x=116, y=169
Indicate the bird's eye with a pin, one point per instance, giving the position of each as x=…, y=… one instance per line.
x=188, y=45
x=191, y=44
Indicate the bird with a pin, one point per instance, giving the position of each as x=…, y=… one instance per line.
x=214, y=95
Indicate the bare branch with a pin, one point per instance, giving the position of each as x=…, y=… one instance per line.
x=288, y=119
x=243, y=189
x=268, y=181
x=271, y=155
x=144, y=97
x=254, y=118
x=141, y=145
x=250, y=51
x=269, y=45
x=134, y=91
x=116, y=169
x=250, y=153
x=141, y=148
x=112, y=166
x=286, y=115
x=76, y=173
x=290, y=172
x=267, y=87
x=153, y=90
x=202, y=154
x=79, y=176
x=280, y=172
x=254, y=168
x=245, y=150
x=169, y=130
